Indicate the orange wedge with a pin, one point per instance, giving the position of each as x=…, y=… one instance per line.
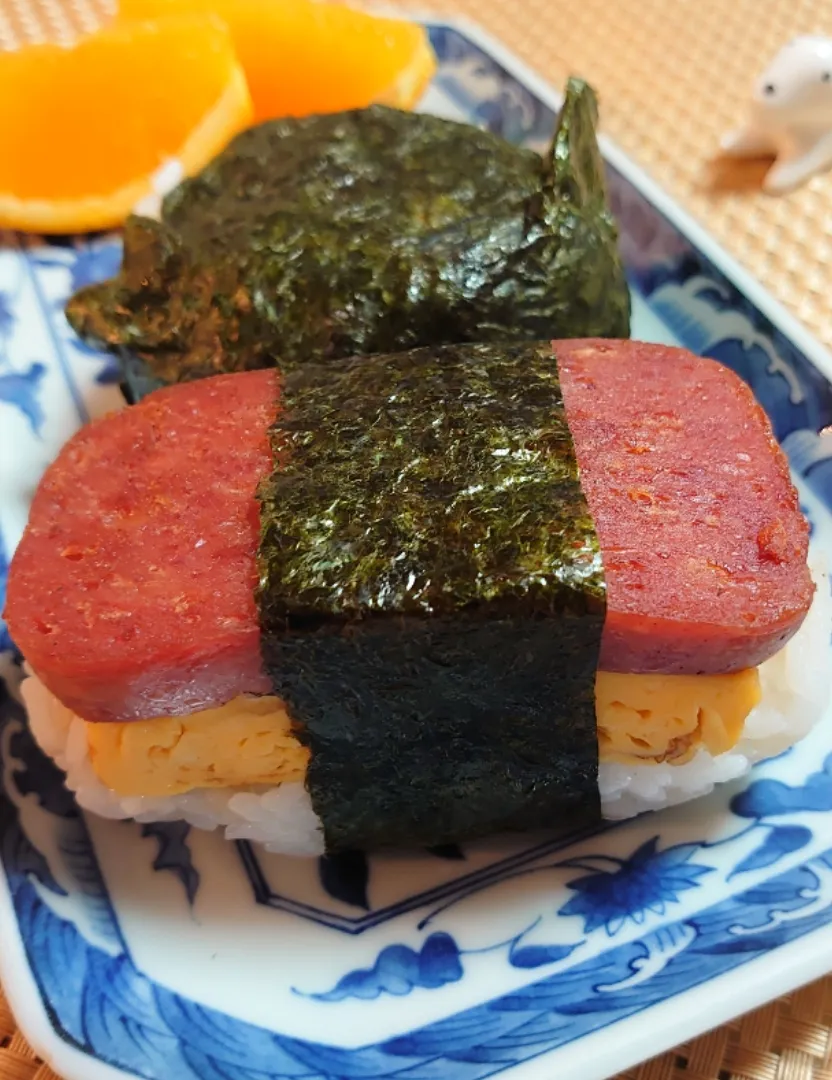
x=309, y=56
x=95, y=126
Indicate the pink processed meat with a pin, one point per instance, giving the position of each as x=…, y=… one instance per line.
x=705, y=548
x=131, y=594
x=140, y=549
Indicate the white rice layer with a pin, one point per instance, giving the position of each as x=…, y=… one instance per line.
x=795, y=695
x=281, y=818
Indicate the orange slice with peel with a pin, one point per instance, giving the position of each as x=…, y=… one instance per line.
x=95, y=125
x=310, y=56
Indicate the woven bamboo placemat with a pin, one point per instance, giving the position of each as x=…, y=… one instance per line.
x=672, y=75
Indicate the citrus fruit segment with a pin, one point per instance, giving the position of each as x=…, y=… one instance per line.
x=94, y=124
x=310, y=56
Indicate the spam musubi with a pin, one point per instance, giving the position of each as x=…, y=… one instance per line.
x=421, y=597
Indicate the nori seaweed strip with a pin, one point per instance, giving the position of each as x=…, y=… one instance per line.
x=137, y=379
x=361, y=232
x=432, y=595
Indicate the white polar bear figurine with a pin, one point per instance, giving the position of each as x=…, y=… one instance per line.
x=790, y=115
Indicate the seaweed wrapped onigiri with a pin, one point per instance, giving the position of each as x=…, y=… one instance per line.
x=363, y=232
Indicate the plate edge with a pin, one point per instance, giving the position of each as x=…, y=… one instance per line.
x=29, y=1008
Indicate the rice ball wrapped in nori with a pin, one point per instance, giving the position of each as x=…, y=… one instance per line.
x=365, y=232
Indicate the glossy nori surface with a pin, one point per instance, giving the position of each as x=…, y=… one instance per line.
x=362, y=232
x=432, y=595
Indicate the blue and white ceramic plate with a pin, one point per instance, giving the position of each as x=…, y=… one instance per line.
x=156, y=952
